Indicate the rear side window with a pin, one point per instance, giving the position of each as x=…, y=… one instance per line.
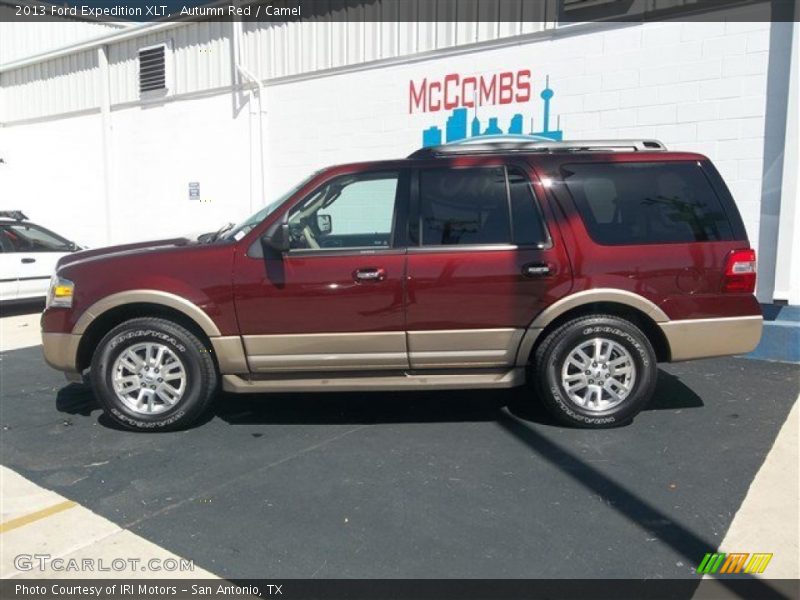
x=482, y=205
x=464, y=206
x=641, y=203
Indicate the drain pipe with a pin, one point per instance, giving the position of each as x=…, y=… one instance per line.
x=244, y=73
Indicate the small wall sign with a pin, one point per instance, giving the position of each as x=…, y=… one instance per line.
x=194, y=190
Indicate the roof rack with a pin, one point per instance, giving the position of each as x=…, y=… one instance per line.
x=526, y=144
x=17, y=215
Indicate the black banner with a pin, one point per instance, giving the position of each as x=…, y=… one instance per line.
x=277, y=11
x=397, y=589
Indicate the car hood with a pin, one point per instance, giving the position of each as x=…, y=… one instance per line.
x=124, y=250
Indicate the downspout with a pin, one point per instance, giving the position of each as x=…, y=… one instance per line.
x=243, y=72
x=105, y=118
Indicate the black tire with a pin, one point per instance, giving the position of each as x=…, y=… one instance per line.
x=199, y=367
x=552, y=353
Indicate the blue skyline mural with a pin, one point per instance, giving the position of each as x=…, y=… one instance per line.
x=458, y=127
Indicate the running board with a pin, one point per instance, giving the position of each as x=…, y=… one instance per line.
x=368, y=382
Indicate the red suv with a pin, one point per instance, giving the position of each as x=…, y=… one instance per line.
x=574, y=266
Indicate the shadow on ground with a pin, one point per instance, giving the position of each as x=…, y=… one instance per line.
x=374, y=407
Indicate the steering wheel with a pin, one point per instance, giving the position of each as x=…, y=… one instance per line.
x=309, y=237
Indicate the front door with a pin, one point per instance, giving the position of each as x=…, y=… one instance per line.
x=334, y=302
x=482, y=263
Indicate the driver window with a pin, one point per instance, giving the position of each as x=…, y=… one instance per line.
x=353, y=211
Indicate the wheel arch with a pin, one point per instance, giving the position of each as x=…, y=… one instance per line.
x=626, y=305
x=93, y=329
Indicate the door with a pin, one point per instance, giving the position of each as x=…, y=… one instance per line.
x=36, y=252
x=483, y=260
x=9, y=267
x=334, y=301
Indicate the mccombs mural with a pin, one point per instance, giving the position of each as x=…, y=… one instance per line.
x=460, y=127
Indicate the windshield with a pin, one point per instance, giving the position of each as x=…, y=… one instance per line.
x=246, y=226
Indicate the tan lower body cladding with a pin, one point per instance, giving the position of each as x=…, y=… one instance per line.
x=473, y=348
x=703, y=338
x=451, y=349
x=459, y=350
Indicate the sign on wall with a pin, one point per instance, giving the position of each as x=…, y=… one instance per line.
x=482, y=105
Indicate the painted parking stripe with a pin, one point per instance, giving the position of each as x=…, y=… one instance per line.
x=36, y=516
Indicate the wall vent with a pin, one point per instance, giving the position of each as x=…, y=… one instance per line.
x=153, y=69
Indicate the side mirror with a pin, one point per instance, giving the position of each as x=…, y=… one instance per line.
x=324, y=224
x=277, y=238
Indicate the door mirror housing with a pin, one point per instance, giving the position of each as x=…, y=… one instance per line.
x=277, y=238
x=324, y=223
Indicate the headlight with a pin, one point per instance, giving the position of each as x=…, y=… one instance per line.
x=60, y=293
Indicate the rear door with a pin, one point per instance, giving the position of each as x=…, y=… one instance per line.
x=484, y=259
x=9, y=267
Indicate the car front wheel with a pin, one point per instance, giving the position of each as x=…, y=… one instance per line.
x=596, y=371
x=153, y=374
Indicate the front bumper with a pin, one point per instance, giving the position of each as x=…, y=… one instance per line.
x=61, y=352
x=703, y=338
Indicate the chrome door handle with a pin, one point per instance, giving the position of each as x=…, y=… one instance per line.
x=369, y=274
x=28, y=261
x=536, y=270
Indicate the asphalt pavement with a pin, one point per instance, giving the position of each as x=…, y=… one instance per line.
x=478, y=484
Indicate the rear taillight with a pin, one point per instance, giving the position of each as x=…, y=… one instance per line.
x=740, y=271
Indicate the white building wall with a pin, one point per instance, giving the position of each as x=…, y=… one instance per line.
x=199, y=60
x=275, y=50
x=695, y=86
x=156, y=152
x=63, y=85
x=22, y=39
x=53, y=172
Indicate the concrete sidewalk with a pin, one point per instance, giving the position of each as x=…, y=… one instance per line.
x=769, y=518
x=36, y=522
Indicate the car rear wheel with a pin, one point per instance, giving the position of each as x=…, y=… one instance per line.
x=596, y=371
x=153, y=374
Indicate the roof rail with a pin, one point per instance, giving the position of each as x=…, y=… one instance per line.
x=525, y=144
x=17, y=215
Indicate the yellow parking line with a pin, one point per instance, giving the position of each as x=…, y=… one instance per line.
x=36, y=516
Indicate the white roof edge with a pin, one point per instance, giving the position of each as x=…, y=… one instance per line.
x=131, y=31
x=126, y=32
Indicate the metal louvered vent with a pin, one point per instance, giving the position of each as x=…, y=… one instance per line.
x=152, y=69
x=574, y=4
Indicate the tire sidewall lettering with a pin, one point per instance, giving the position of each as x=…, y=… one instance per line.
x=557, y=351
x=159, y=335
x=116, y=345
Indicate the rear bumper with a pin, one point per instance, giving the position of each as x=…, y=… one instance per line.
x=61, y=352
x=703, y=338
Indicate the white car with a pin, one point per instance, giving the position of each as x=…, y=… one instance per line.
x=28, y=256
